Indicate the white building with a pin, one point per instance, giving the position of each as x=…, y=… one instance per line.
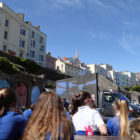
x=120, y=78
x=96, y=68
x=132, y=78
x=37, y=45
x=19, y=38
x=67, y=67
x=13, y=32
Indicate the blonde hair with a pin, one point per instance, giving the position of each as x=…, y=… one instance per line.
x=122, y=106
x=49, y=116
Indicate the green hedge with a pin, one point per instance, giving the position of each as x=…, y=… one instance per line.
x=30, y=65
x=50, y=85
x=7, y=67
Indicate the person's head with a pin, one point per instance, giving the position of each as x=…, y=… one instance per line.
x=7, y=99
x=32, y=107
x=84, y=98
x=49, y=116
x=121, y=106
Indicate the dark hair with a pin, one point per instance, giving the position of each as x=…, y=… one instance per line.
x=7, y=98
x=32, y=106
x=49, y=116
x=78, y=100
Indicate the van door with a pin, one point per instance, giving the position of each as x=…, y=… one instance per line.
x=107, y=104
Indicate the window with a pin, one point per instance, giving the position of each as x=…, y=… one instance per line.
x=41, y=58
x=32, y=54
x=20, y=54
x=41, y=48
x=22, y=31
x=6, y=23
x=32, y=43
x=33, y=34
x=41, y=39
x=5, y=35
x=4, y=47
x=21, y=43
x=107, y=97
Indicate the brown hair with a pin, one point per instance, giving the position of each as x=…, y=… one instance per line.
x=32, y=107
x=7, y=98
x=49, y=116
x=78, y=100
x=122, y=106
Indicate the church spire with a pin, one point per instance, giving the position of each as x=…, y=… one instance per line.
x=76, y=57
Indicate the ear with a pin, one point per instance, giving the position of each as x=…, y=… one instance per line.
x=114, y=107
x=86, y=101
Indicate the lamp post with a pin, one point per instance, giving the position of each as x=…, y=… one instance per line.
x=97, y=88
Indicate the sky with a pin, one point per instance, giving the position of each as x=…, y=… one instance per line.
x=103, y=31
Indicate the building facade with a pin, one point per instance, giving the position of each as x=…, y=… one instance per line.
x=13, y=32
x=67, y=67
x=16, y=36
x=120, y=78
x=50, y=61
x=131, y=78
x=37, y=45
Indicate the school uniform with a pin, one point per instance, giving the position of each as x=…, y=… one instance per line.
x=86, y=117
x=11, y=126
x=72, y=136
x=27, y=114
x=113, y=125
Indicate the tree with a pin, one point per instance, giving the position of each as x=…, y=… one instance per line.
x=135, y=88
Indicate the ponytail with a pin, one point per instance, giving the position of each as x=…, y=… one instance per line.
x=75, y=103
x=124, y=121
x=78, y=100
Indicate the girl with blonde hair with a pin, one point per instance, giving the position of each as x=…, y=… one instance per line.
x=49, y=120
x=119, y=123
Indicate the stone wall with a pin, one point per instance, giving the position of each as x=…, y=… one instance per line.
x=105, y=84
x=28, y=80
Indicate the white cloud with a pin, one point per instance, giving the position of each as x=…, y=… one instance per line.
x=99, y=35
x=130, y=43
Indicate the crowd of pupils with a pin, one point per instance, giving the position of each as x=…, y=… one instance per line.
x=49, y=119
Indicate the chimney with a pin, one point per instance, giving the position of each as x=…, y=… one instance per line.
x=21, y=16
x=49, y=53
x=37, y=27
x=58, y=58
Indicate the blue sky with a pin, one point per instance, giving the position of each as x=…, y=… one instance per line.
x=106, y=31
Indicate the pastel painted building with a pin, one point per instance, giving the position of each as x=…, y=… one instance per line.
x=37, y=44
x=50, y=61
x=120, y=78
x=96, y=68
x=20, y=38
x=13, y=32
x=132, y=78
x=67, y=67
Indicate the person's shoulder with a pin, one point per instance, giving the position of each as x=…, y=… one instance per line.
x=12, y=116
x=27, y=111
x=17, y=117
x=113, y=120
x=94, y=111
